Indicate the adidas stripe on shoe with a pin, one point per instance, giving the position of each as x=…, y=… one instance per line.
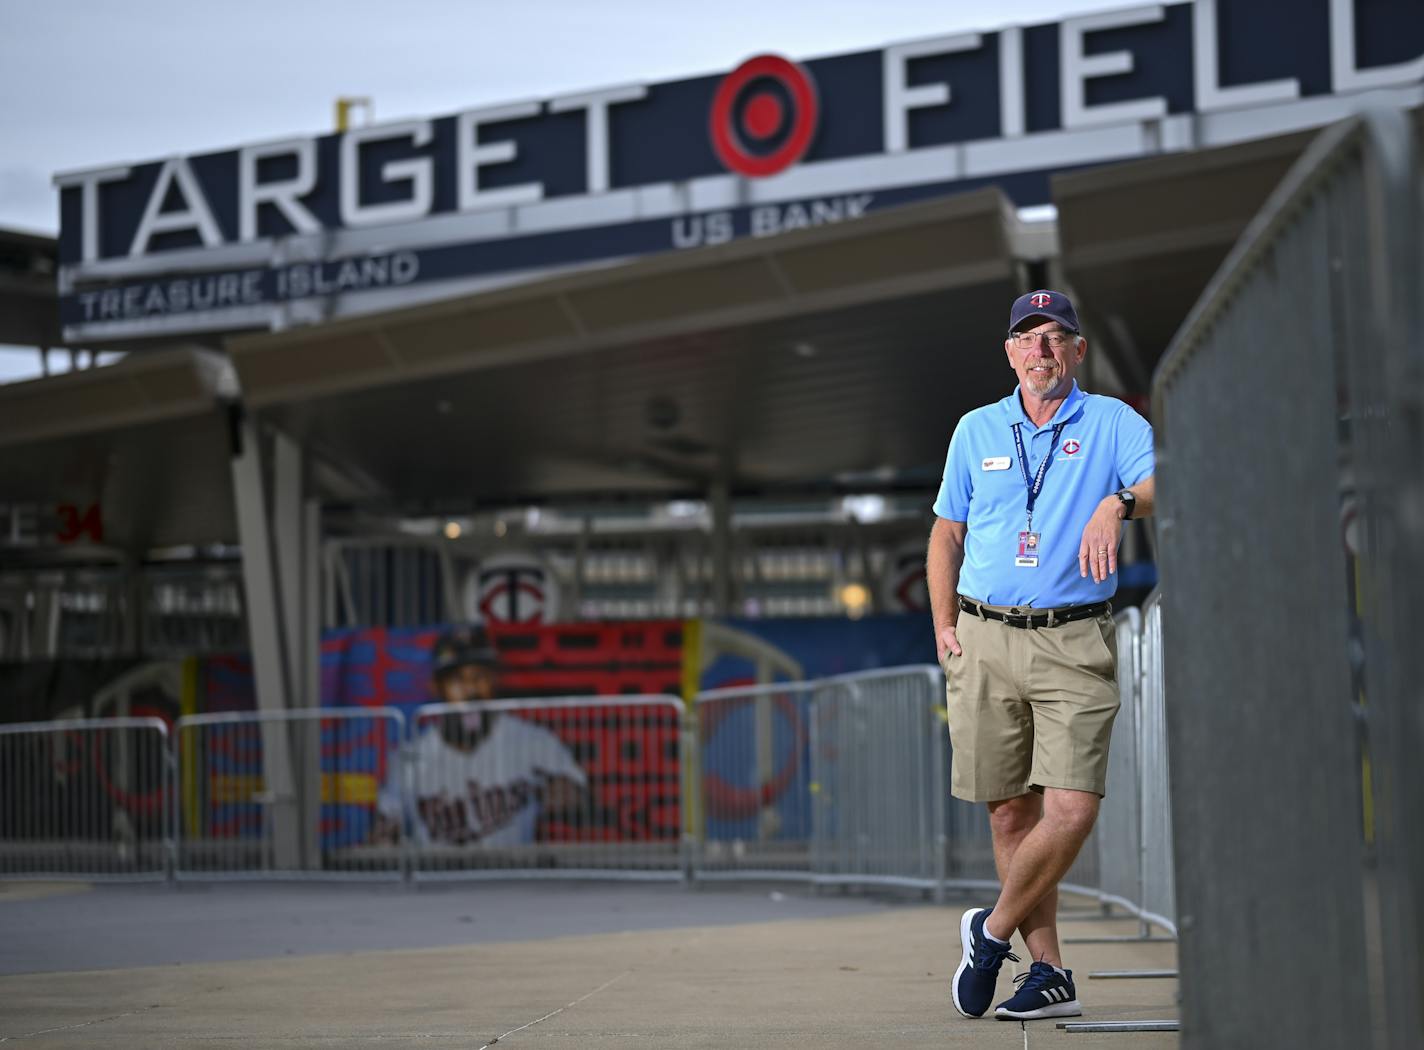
x=1043, y=992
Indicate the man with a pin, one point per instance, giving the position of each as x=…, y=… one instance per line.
x=1022, y=561
x=481, y=776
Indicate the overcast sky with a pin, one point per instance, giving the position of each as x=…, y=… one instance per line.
x=95, y=82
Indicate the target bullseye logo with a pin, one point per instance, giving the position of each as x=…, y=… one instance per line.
x=764, y=116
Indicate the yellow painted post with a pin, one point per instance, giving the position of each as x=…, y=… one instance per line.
x=693, y=827
x=345, y=104
x=188, y=767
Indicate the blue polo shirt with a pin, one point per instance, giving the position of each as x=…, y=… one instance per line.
x=1104, y=446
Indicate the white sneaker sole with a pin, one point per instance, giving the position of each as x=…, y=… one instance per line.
x=1072, y=1008
x=965, y=962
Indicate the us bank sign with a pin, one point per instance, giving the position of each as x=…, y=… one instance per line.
x=299, y=230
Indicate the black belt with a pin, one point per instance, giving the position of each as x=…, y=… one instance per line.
x=1047, y=618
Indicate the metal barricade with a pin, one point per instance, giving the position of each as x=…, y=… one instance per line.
x=57, y=613
x=190, y=609
x=290, y=794
x=1085, y=873
x=562, y=787
x=842, y=780
x=1117, y=837
x=85, y=797
x=878, y=763
x=845, y=780
x=1289, y=423
x=1132, y=841
x=388, y=581
x=1158, y=888
x=754, y=781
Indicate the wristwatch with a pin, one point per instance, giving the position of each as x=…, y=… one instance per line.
x=1128, y=500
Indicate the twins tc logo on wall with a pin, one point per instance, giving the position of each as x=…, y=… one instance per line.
x=764, y=116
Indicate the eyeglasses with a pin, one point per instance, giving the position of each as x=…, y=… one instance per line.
x=1057, y=338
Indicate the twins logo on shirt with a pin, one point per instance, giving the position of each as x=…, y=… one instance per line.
x=485, y=810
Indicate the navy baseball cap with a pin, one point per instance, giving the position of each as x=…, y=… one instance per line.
x=1052, y=306
x=461, y=648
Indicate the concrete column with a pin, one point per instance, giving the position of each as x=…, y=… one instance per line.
x=308, y=667
x=296, y=524
x=287, y=510
x=264, y=625
x=719, y=502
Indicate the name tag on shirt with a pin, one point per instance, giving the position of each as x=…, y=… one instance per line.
x=997, y=463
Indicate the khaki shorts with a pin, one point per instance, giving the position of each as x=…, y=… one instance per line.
x=1030, y=708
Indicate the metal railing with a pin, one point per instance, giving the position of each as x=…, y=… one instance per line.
x=832, y=781
x=166, y=610
x=845, y=780
x=839, y=781
x=287, y=794
x=877, y=743
x=1158, y=892
x=1118, y=835
x=86, y=797
x=755, y=782
x=390, y=581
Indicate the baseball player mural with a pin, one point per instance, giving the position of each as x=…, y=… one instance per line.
x=480, y=776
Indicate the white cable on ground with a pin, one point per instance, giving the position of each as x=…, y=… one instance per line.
x=560, y=1010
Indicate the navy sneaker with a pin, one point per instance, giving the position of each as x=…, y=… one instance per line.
x=1043, y=992
x=978, y=971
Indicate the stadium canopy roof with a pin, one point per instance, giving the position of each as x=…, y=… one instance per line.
x=839, y=354
x=146, y=438
x=1140, y=240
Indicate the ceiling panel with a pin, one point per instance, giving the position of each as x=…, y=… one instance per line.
x=1141, y=240
x=772, y=363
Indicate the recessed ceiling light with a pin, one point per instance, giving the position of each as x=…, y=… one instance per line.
x=856, y=599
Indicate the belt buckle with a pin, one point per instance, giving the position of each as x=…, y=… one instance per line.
x=1021, y=620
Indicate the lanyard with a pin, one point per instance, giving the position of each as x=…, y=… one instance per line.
x=1035, y=486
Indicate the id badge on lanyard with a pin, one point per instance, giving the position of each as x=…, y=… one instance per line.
x=1030, y=542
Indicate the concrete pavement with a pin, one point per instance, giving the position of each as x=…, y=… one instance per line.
x=69, y=926
x=874, y=973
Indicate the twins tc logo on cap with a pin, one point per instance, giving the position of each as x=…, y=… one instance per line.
x=1044, y=304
